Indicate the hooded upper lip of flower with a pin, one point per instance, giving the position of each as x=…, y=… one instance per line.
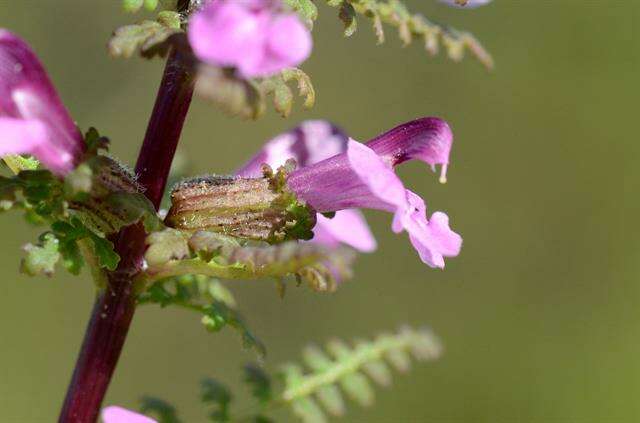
x=347, y=175
x=254, y=36
x=33, y=120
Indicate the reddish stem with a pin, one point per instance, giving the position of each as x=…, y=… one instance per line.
x=115, y=305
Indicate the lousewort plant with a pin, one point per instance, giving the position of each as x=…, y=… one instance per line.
x=293, y=211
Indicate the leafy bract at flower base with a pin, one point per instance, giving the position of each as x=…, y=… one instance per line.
x=33, y=120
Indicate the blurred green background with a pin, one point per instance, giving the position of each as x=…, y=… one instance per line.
x=539, y=312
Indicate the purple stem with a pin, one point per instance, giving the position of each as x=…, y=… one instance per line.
x=115, y=305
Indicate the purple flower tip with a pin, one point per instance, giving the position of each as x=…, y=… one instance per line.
x=253, y=36
x=426, y=139
x=32, y=117
x=115, y=414
x=363, y=177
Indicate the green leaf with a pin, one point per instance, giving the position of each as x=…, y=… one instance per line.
x=105, y=253
x=151, y=4
x=409, y=26
x=260, y=383
x=347, y=15
x=218, y=312
x=308, y=411
x=217, y=395
x=151, y=38
x=132, y=6
x=162, y=410
x=41, y=259
x=305, y=8
x=71, y=232
x=358, y=388
x=344, y=368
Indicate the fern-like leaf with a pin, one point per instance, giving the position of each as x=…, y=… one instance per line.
x=312, y=394
x=409, y=26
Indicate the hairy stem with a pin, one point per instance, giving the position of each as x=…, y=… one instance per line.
x=115, y=305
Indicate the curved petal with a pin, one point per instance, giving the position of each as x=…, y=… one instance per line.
x=288, y=41
x=426, y=139
x=31, y=136
x=114, y=414
x=346, y=227
x=27, y=93
x=432, y=239
x=310, y=142
x=228, y=34
x=376, y=174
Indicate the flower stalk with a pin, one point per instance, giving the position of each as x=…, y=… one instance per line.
x=115, y=305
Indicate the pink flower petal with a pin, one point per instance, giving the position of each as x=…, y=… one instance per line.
x=114, y=414
x=347, y=227
x=376, y=174
x=289, y=40
x=252, y=36
x=27, y=93
x=32, y=136
x=310, y=142
x=228, y=34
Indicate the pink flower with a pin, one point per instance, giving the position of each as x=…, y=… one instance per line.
x=253, y=36
x=114, y=414
x=32, y=117
x=363, y=177
x=309, y=143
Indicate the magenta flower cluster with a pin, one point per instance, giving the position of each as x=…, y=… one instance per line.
x=256, y=37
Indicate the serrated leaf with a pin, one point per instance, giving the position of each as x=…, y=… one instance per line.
x=150, y=37
x=305, y=87
x=358, y=388
x=41, y=259
x=105, y=253
x=378, y=371
x=307, y=410
x=260, y=383
x=217, y=395
x=315, y=358
x=305, y=8
x=19, y=163
x=347, y=15
x=331, y=399
x=162, y=410
x=399, y=359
